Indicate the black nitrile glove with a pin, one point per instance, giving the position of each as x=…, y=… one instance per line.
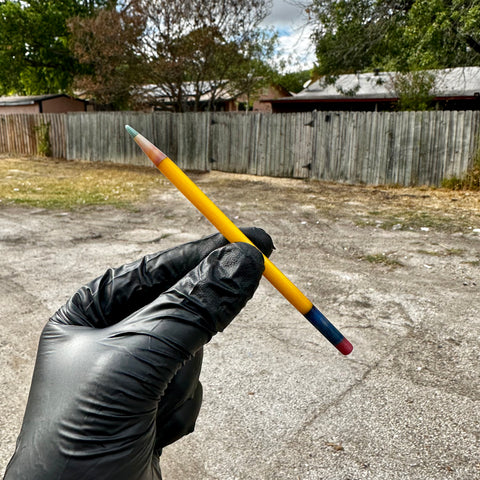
x=116, y=376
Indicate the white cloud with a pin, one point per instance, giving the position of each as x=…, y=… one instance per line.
x=295, y=46
x=296, y=49
x=284, y=13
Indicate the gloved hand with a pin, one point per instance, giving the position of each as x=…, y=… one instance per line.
x=117, y=371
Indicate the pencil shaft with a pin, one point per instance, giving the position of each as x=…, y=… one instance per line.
x=233, y=234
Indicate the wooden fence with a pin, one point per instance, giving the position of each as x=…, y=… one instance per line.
x=21, y=133
x=405, y=148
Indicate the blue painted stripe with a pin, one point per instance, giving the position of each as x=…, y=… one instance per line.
x=323, y=325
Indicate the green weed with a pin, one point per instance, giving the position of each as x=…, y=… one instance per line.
x=383, y=259
x=470, y=181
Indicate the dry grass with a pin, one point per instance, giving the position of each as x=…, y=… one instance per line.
x=51, y=183
x=334, y=195
x=415, y=208
x=385, y=207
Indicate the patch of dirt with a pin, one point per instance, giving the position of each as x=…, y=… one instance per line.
x=382, y=206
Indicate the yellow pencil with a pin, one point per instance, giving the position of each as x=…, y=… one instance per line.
x=233, y=234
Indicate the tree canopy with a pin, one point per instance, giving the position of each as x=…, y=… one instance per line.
x=400, y=35
x=112, y=50
x=108, y=48
x=191, y=48
x=35, y=57
x=293, y=81
x=105, y=45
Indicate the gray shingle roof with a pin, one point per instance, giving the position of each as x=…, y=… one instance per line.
x=452, y=82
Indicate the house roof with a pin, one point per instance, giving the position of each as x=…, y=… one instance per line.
x=452, y=82
x=223, y=92
x=18, y=100
x=157, y=93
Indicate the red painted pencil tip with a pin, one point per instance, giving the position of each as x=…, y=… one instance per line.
x=344, y=347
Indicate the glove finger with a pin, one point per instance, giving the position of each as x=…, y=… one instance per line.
x=180, y=405
x=180, y=422
x=168, y=332
x=181, y=388
x=121, y=291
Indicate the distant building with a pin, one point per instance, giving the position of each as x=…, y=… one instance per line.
x=54, y=103
x=270, y=92
x=454, y=89
x=225, y=99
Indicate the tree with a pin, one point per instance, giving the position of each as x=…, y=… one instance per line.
x=400, y=35
x=408, y=37
x=251, y=72
x=105, y=46
x=415, y=90
x=191, y=48
x=12, y=47
x=441, y=34
x=355, y=35
x=293, y=81
x=34, y=54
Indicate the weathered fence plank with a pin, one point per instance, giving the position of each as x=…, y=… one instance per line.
x=232, y=146
x=405, y=148
x=21, y=133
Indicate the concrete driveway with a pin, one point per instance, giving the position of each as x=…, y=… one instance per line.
x=279, y=401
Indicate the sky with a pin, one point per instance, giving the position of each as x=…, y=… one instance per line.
x=294, y=44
